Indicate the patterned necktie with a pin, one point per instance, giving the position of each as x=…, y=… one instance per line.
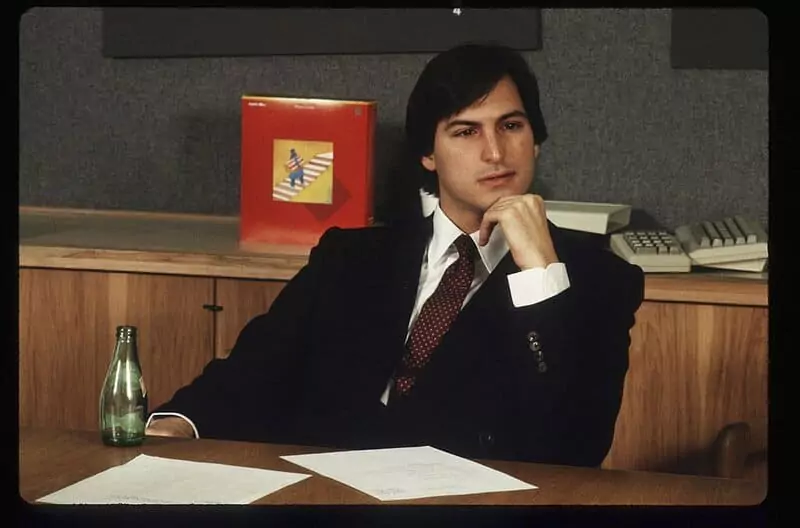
x=437, y=314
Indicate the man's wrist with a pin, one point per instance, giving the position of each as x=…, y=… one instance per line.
x=169, y=427
x=537, y=259
x=171, y=424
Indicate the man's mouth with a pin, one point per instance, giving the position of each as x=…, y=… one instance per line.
x=497, y=178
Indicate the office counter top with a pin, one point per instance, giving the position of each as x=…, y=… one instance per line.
x=144, y=242
x=182, y=244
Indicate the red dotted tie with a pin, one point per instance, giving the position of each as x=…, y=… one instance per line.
x=437, y=314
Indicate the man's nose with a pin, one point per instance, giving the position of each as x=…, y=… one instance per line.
x=492, y=148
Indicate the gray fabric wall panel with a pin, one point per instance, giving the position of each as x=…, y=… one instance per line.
x=727, y=38
x=163, y=134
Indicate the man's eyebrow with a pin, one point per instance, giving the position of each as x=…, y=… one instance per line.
x=466, y=122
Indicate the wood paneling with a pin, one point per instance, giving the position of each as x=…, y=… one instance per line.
x=176, y=332
x=240, y=300
x=61, y=369
x=694, y=369
x=67, y=329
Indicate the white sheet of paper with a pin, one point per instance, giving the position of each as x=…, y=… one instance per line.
x=155, y=480
x=408, y=472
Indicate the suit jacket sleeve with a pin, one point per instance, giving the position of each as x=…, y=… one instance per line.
x=246, y=395
x=574, y=382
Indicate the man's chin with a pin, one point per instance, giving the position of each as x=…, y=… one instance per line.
x=500, y=192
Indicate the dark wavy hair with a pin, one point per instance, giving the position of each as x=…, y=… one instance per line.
x=454, y=80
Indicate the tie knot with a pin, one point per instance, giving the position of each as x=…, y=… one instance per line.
x=466, y=247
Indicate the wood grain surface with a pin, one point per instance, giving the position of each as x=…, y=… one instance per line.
x=239, y=301
x=52, y=459
x=694, y=369
x=149, y=243
x=67, y=324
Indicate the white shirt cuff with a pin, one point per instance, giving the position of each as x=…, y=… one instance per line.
x=537, y=284
x=178, y=415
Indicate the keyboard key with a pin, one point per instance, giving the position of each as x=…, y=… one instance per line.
x=747, y=229
x=716, y=240
x=700, y=236
x=738, y=237
x=727, y=240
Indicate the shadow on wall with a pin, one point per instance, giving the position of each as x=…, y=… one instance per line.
x=397, y=177
x=208, y=169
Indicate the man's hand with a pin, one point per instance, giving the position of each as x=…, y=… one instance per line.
x=171, y=426
x=524, y=224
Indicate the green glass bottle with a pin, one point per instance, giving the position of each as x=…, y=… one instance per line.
x=123, y=400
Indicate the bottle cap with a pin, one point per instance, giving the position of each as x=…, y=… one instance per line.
x=126, y=331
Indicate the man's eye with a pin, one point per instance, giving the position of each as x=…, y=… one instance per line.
x=512, y=125
x=465, y=132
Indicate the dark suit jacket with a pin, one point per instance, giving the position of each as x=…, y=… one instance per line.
x=312, y=370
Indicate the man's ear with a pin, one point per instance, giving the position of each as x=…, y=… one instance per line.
x=429, y=162
x=535, y=151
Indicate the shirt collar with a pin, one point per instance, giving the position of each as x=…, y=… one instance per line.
x=445, y=233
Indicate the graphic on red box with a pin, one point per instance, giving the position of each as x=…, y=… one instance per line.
x=307, y=166
x=306, y=175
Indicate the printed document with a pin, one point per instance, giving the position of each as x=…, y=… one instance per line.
x=155, y=480
x=408, y=472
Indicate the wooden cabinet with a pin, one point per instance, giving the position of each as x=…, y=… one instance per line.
x=239, y=300
x=698, y=357
x=183, y=323
x=67, y=324
x=694, y=368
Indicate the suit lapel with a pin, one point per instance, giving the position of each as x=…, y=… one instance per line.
x=397, y=291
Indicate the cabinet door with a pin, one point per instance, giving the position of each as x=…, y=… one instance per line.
x=694, y=368
x=67, y=329
x=240, y=300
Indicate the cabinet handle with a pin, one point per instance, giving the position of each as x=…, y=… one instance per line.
x=212, y=307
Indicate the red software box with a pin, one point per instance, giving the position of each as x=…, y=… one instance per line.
x=307, y=165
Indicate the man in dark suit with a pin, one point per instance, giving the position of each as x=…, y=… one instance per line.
x=483, y=329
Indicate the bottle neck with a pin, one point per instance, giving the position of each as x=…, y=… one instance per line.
x=126, y=344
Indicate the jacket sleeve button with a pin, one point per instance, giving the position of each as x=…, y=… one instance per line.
x=542, y=367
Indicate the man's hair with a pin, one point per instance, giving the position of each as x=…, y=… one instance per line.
x=454, y=80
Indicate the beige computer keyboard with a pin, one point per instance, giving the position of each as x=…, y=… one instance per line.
x=729, y=240
x=733, y=243
x=653, y=251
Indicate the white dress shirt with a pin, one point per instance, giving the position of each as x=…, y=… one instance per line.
x=527, y=287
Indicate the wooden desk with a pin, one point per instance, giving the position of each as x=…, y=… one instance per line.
x=698, y=355
x=52, y=459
